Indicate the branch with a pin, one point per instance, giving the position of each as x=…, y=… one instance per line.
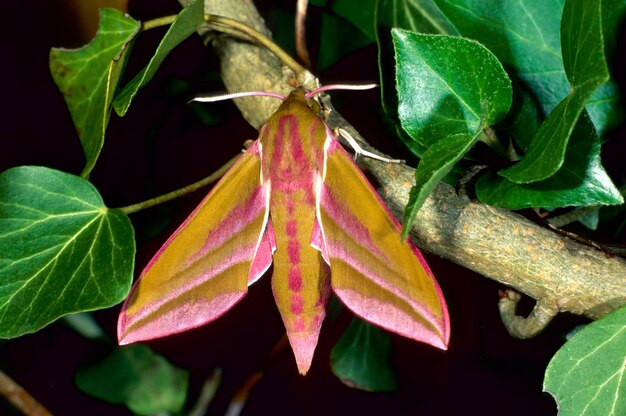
x=561, y=274
x=20, y=398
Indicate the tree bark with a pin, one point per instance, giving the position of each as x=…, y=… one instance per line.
x=561, y=274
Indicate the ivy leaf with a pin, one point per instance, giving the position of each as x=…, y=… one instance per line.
x=88, y=77
x=137, y=377
x=361, y=358
x=546, y=152
x=447, y=85
x=587, y=376
x=586, y=69
x=436, y=162
x=187, y=22
x=449, y=89
x=581, y=181
x=523, y=120
x=605, y=106
x=358, y=12
x=63, y=251
x=421, y=16
x=525, y=36
x=338, y=39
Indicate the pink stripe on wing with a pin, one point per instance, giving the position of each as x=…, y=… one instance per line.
x=340, y=252
x=237, y=219
x=188, y=316
x=348, y=222
x=263, y=257
x=253, y=150
x=393, y=319
x=242, y=254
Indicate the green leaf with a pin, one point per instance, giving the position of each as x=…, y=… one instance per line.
x=586, y=69
x=420, y=16
x=137, y=377
x=88, y=77
x=447, y=85
x=605, y=108
x=523, y=120
x=338, y=39
x=187, y=22
x=361, y=358
x=85, y=324
x=358, y=12
x=449, y=89
x=581, y=181
x=436, y=162
x=613, y=15
x=63, y=251
x=523, y=35
x=546, y=152
x=587, y=376
x=591, y=219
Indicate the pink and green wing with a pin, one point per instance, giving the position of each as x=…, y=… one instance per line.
x=205, y=267
x=376, y=274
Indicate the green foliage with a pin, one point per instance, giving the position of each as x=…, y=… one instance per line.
x=449, y=90
x=562, y=48
x=187, y=22
x=420, y=16
x=585, y=66
x=587, y=376
x=581, y=181
x=338, y=38
x=526, y=38
x=63, y=251
x=361, y=358
x=447, y=85
x=88, y=79
x=137, y=377
x=358, y=12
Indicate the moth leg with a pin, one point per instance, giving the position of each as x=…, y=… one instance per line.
x=358, y=150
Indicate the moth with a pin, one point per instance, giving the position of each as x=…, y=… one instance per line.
x=297, y=201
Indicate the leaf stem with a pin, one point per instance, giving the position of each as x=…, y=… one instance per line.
x=158, y=22
x=180, y=192
x=236, y=28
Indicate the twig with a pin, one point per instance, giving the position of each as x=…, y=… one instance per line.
x=241, y=396
x=207, y=394
x=301, y=49
x=180, y=192
x=232, y=26
x=20, y=398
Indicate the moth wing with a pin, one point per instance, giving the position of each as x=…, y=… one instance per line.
x=376, y=274
x=205, y=266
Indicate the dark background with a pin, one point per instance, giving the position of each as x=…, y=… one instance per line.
x=162, y=145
